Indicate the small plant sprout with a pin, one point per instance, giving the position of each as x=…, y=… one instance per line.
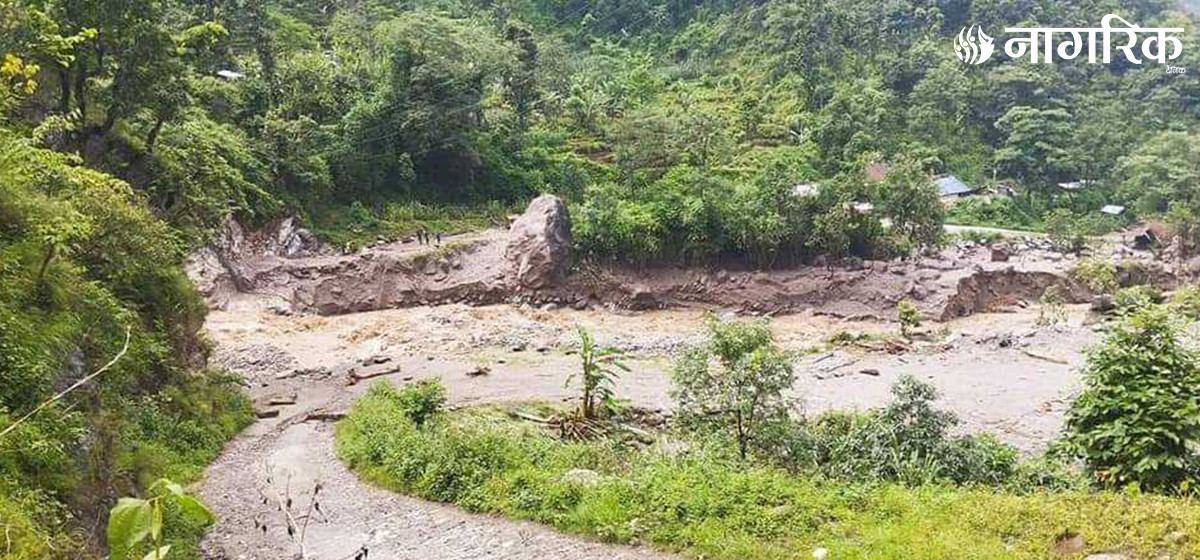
x=598, y=375
x=910, y=317
x=1052, y=311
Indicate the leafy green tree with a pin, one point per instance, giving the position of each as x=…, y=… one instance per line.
x=912, y=202
x=747, y=395
x=521, y=80
x=1034, y=149
x=1137, y=420
x=1163, y=170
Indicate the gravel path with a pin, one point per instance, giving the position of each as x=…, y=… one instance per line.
x=287, y=458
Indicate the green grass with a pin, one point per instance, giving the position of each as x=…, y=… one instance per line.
x=706, y=504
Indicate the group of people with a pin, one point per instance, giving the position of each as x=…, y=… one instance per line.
x=426, y=238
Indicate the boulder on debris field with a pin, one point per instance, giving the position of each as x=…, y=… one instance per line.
x=539, y=244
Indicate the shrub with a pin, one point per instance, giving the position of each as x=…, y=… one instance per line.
x=910, y=316
x=744, y=397
x=598, y=373
x=1051, y=310
x=1186, y=301
x=1135, y=298
x=1137, y=420
x=422, y=401
x=907, y=441
x=1097, y=274
x=1065, y=231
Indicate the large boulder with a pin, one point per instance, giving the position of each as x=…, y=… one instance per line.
x=539, y=244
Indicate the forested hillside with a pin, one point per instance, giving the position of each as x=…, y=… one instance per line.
x=678, y=131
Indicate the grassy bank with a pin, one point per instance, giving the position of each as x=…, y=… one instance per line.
x=706, y=503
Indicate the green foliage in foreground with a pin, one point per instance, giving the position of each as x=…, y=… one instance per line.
x=135, y=523
x=1137, y=421
x=708, y=503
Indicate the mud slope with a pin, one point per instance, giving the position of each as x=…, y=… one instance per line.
x=472, y=269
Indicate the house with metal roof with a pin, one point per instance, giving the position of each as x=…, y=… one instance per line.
x=951, y=187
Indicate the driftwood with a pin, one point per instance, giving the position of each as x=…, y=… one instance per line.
x=530, y=417
x=355, y=377
x=1045, y=358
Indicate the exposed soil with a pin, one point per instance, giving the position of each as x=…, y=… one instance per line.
x=471, y=269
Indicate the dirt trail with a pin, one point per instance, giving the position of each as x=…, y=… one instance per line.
x=999, y=372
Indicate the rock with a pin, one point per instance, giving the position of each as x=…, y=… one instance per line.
x=267, y=413
x=539, y=244
x=478, y=371
x=292, y=240
x=282, y=400
x=1107, y=556
x=870, y=371
x=582, y=477
x=820, y=553
x=1103, y=303
x=1068, y=544
x=1001, y=252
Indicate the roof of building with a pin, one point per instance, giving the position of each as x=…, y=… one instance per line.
x=230, y=74
x=806, y=190
x=1074, y=185
x=949, y=185
x=1112, y=210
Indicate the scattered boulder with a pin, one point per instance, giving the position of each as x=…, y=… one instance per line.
x=1001, y=252
x=1103, y=303
x=293, y=241
x=539, y=244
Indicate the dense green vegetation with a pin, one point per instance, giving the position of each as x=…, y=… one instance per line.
x=83, y=262
x=679, y=131
x=708, y=502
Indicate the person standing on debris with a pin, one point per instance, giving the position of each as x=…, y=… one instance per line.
x=439, y=239
x=421, y=236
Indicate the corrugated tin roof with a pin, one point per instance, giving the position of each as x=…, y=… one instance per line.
x=1074, y=185
x=806, y=190
x=949, y=185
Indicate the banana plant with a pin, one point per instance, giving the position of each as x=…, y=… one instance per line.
x=599, y=374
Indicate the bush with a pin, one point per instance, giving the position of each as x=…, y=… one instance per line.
x=996, y=212
x=422, y=400
x=907, y=441
x=1051, y=310
x=745, y=397
x=910, y=316
x=1065, y=230
x=1097, y=274
x=1135, y=298
x=1137, y=420
x=1186, y=301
